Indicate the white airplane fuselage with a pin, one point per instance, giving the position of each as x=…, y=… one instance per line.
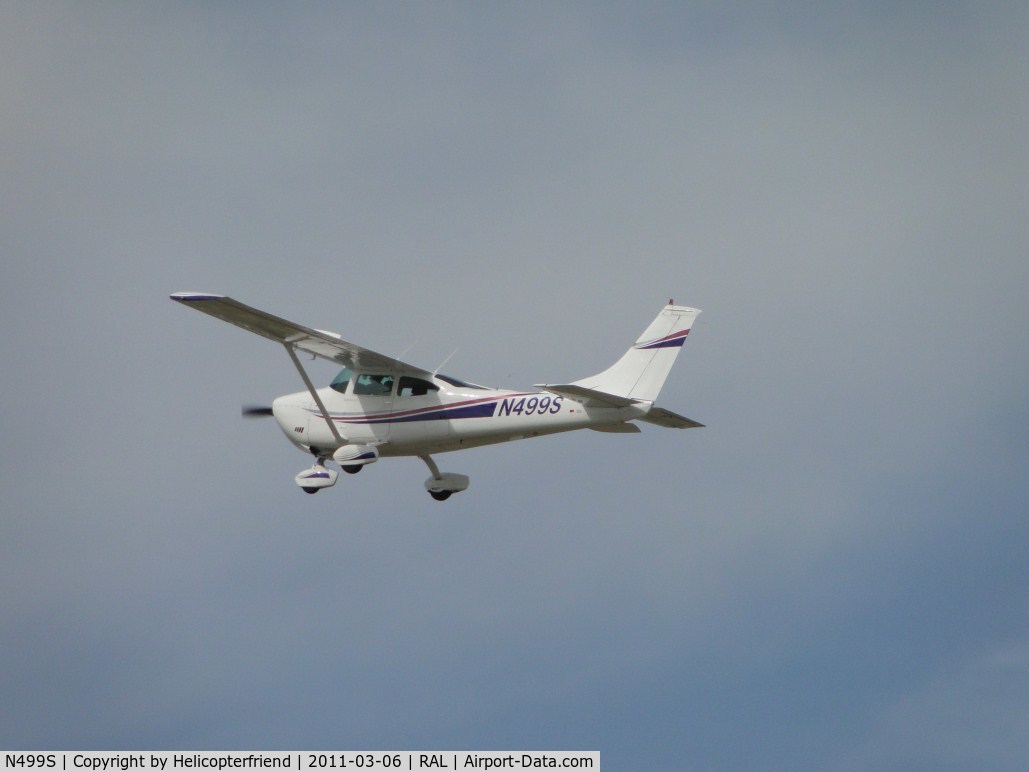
x=452, y=418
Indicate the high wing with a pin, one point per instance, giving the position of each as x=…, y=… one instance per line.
x=327, y=345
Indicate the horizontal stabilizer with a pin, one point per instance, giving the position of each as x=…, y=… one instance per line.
x=587, y=397
x=670, y=420
x=623, y=428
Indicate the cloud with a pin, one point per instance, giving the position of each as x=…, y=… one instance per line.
x=972, y=715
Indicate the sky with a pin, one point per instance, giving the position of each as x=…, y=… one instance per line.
x=831, y=575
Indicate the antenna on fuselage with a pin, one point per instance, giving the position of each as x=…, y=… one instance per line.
x=440, y=365
x=403, y=353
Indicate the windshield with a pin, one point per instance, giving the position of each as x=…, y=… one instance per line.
x=339, y=383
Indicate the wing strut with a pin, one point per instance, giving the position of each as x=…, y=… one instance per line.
x=314, y=393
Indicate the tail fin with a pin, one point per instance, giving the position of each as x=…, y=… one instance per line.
x=642, y=370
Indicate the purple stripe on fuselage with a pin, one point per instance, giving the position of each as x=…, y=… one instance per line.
x=480, y=408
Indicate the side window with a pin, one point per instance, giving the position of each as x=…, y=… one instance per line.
x=459, y=383
x=339, y=383
x=415, y=387
x=374, y=385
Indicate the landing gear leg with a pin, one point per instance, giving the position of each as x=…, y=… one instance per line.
x=443, y=484
x=432, y=466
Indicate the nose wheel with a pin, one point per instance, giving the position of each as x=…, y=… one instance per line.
x=317, y=477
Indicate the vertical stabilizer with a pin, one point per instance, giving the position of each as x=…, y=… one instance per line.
x=641, y=372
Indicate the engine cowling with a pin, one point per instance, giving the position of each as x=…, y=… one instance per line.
x=356, y=455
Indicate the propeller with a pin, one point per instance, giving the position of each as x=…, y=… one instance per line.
x=256, y=411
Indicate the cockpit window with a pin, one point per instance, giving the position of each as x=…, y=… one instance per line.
x=459, y=383
x=339, y=383
x=415, y=387
x=374, y=385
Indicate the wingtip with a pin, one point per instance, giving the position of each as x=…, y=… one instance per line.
x=185, y=297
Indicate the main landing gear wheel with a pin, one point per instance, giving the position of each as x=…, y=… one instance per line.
x=443, y=484
x=352, y=468
x=310, y=490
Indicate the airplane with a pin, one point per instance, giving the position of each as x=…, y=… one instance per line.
x=379, y=407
